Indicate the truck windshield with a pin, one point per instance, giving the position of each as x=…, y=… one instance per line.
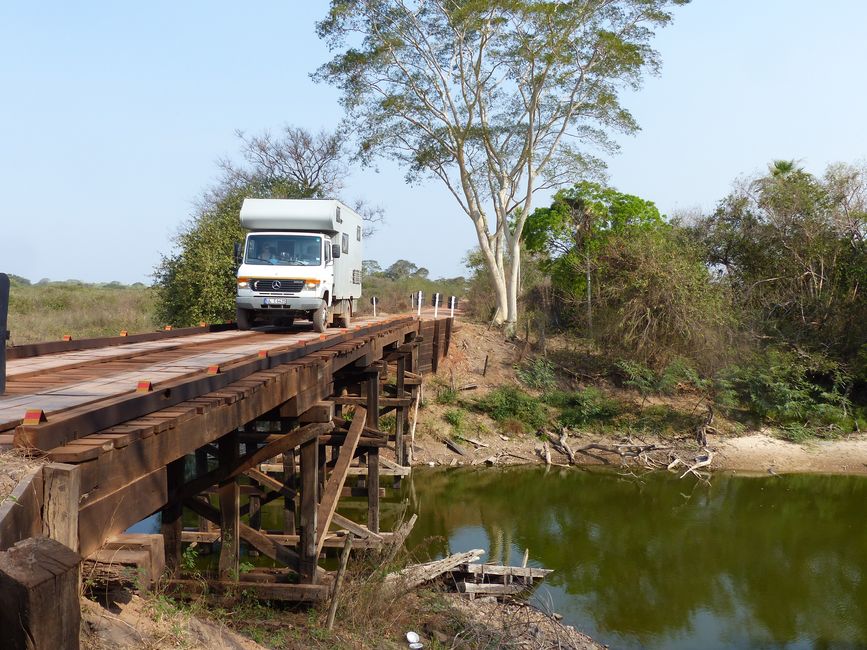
x=284, y=250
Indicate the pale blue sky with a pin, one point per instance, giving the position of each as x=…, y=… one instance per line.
x=113, y=113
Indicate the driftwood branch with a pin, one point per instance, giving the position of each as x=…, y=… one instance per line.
x=417, y=574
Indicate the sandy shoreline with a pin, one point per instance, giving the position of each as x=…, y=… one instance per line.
x=754, y=453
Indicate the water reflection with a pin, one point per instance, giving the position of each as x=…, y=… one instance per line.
x=654, y=561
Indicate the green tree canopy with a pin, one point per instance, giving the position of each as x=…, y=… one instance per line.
x=792, y=247
x=496, y=99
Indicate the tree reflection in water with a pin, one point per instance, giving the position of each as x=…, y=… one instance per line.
x=653, y=561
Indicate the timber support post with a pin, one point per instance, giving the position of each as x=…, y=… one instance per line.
x=230, y=510
x=172, y=523
x=61, y=488
x=400, y=413
x=39, y=606
x=309, y=506
x=373, y=489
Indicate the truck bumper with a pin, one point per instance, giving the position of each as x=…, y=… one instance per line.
x=291, y=303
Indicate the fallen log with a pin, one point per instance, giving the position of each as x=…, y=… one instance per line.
x=418, y=574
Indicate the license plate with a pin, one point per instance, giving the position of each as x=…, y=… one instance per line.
x=276, y=301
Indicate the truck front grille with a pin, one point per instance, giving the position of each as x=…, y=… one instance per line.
x=279, y=286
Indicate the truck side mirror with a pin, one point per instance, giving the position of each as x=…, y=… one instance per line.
x=335, y=250
x=238, y=253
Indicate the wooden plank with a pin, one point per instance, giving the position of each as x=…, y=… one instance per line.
x=382, y=401
x=332, y=540
x=53, y=347
x=230, y=510
x=320, y=412
x=82, y=421
x=39, y=606
x=373, y=490
x=171, y=521
x=481, y=570
x=358, y=530
x=60, y=512
x=287, y=441
x=21, y=511
x=308, y=510
x=269, y=591
x=491, y=589
x=75, y=453
x=107, y=513
x=264, y=543
x=338, y=476
x=288, y=467
x=152, y=544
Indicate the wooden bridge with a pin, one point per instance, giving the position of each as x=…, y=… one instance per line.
x=212, y=420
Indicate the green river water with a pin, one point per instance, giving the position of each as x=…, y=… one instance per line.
x=657, y=562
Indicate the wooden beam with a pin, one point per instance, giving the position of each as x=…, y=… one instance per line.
x=230, y=511
x=20, y=512
x=265, y=591
x=259, y=540
x=332, y=540
x=309, y=499
x=319, y=412
x=373, y=490
x=338, y=476
x=269, y=482
x=84, y=420
x=348, y=400
x=288, y=441
x=356, y=529
x=39, y=606
x=103, y=515
x=289, y=501
x=171, y=522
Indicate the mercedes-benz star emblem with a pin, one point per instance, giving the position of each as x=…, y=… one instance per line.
x=276, y=284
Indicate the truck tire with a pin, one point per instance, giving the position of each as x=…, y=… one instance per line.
x=346, y=316
x=244, y=318
x=320, y=318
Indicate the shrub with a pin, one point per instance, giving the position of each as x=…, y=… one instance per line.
x=507, y=402
x=455, y=417
x=787, y=388
x=446, y=395
x=583, y=407
x=538, y=373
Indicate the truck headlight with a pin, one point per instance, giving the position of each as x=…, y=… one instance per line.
x=243, y=283
x=311, y=284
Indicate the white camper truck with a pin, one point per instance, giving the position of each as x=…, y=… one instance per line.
x=301, y=259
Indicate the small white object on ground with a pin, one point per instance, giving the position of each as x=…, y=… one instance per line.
x=412, y=637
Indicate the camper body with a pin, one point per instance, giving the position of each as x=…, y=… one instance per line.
x=301, y=259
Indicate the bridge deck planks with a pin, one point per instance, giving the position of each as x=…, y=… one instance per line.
x=116, y=459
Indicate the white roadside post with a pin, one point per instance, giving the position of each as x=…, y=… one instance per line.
x=373, y=302
x=435, y=299
x=419, y=301
x=453, y=302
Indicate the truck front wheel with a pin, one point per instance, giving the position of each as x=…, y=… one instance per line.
x=320, y=318
x=244, y=318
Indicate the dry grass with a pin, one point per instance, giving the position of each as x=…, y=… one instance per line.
x=47, y=312
x=14, y=465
